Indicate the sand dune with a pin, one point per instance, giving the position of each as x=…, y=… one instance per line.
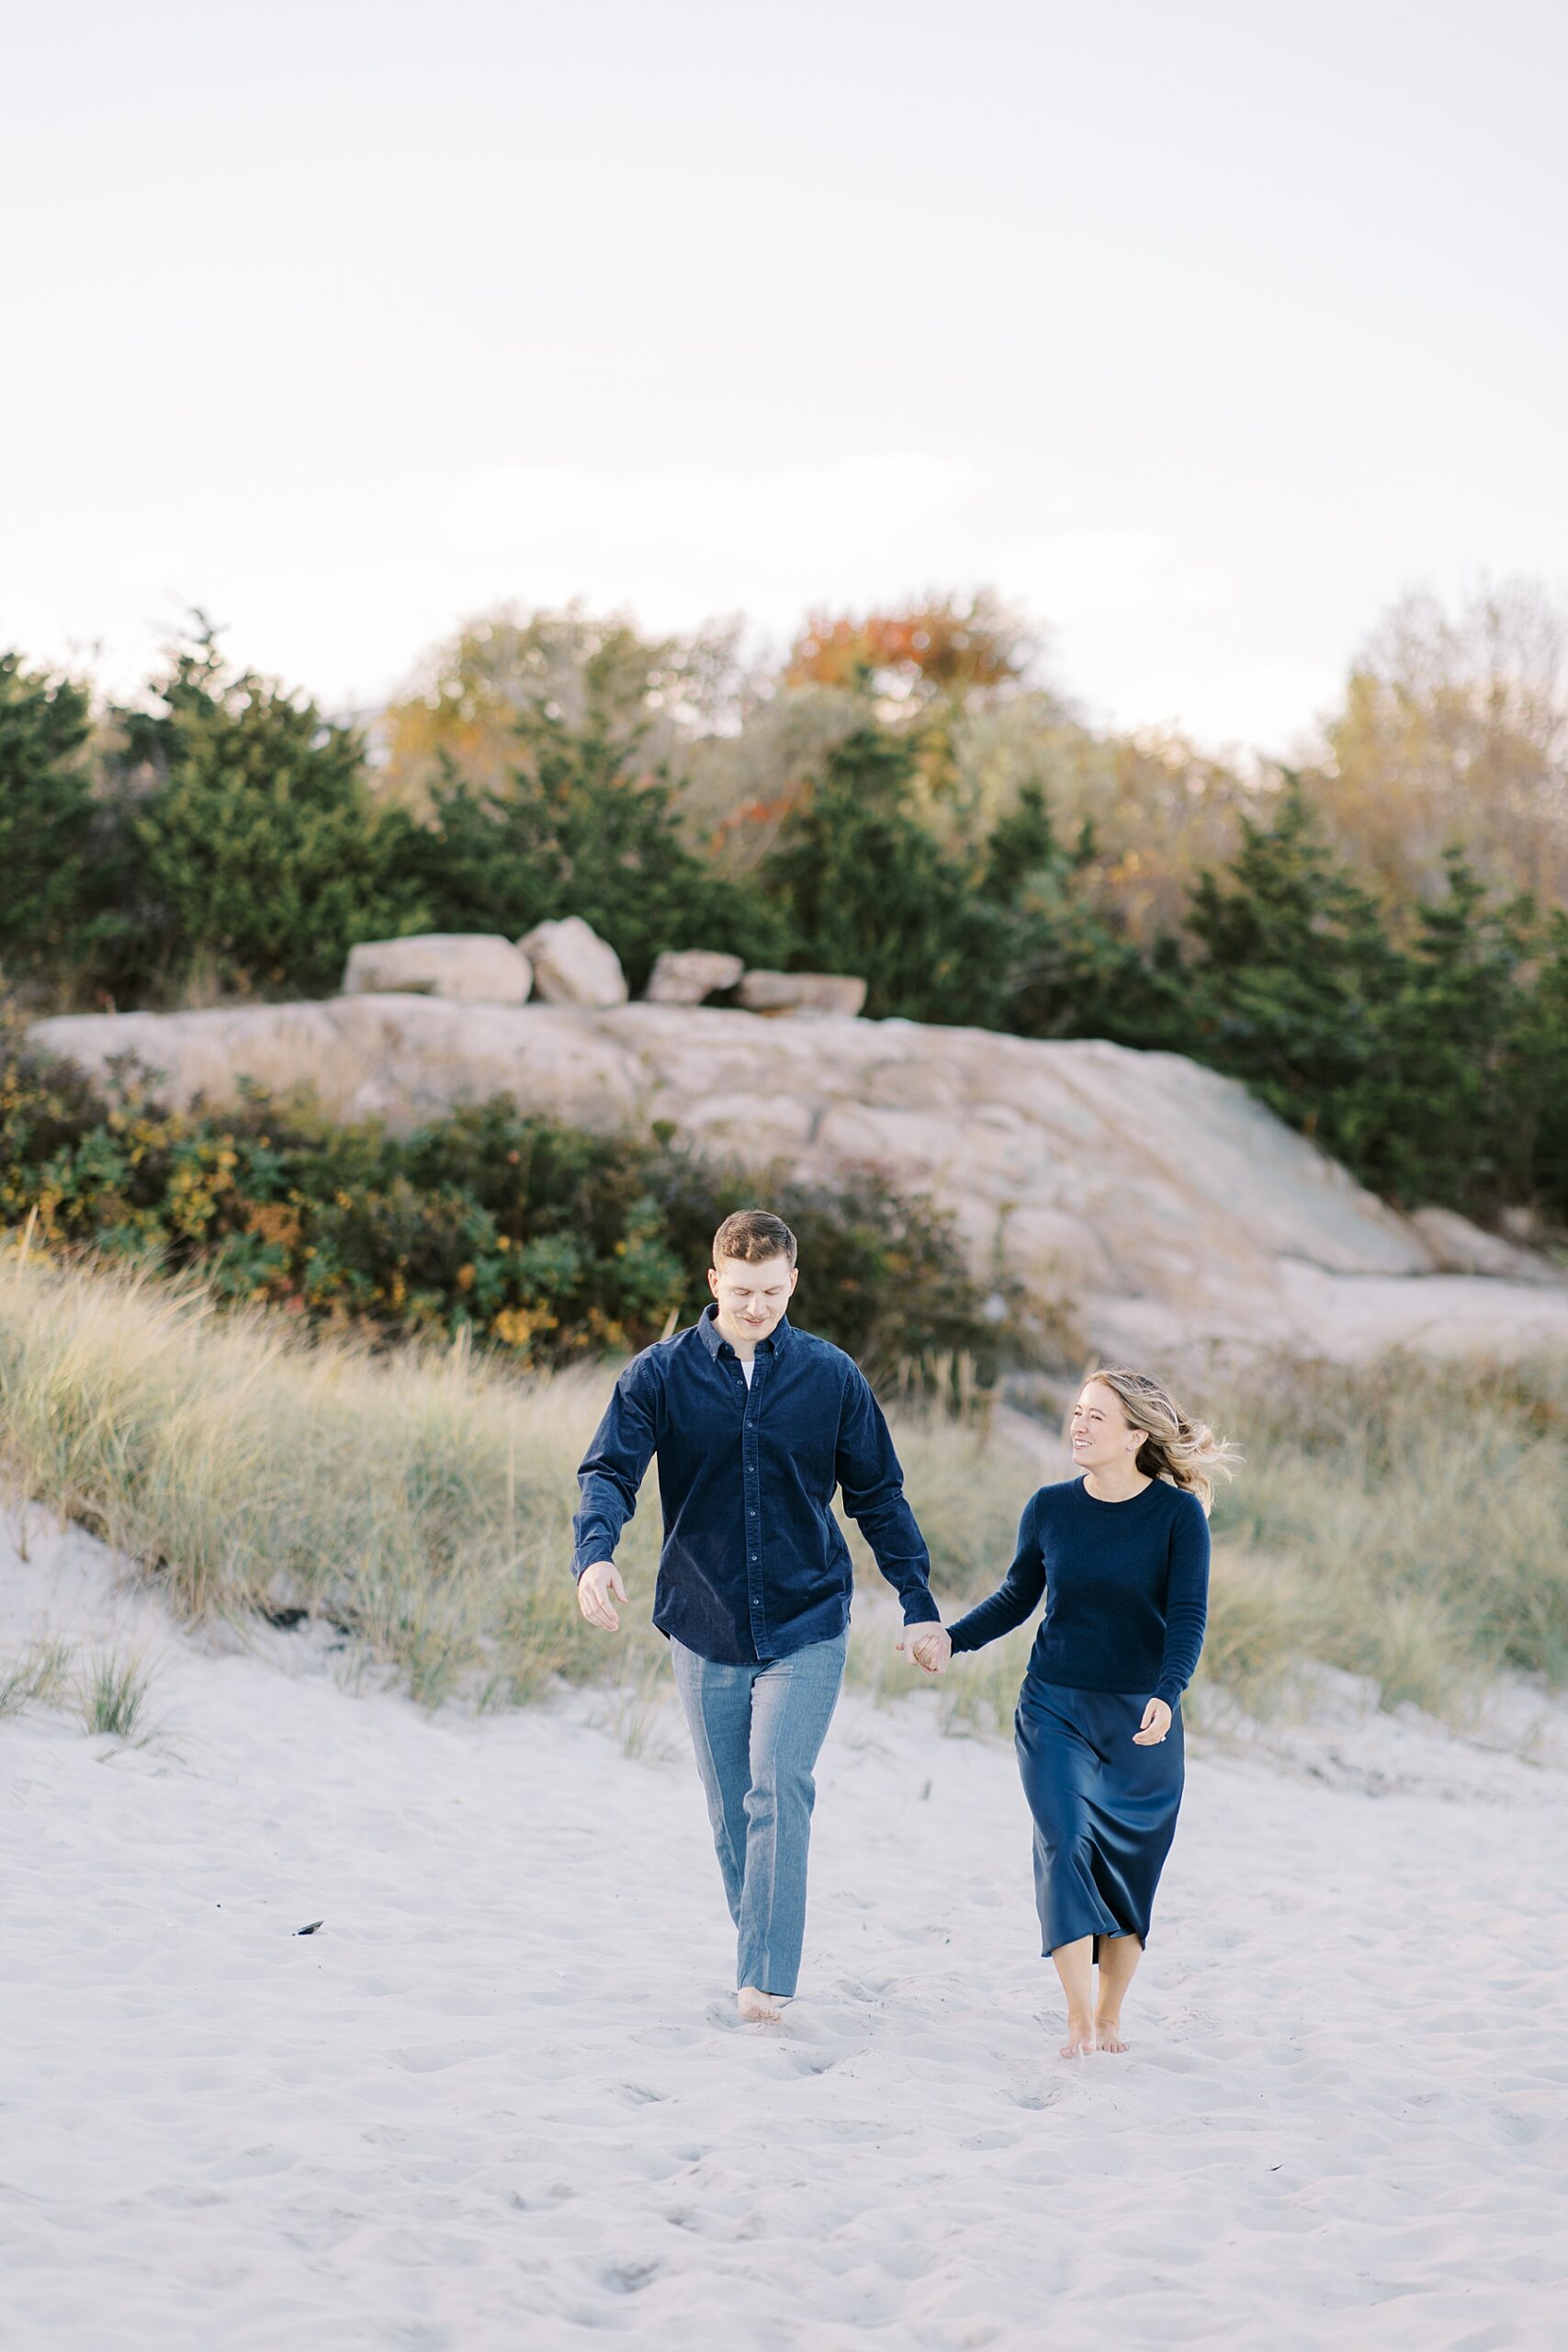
x=501, y=2101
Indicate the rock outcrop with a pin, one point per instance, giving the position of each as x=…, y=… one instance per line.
x=572, y=965
x=466, y=967
x=813, y=992
x=688, y=975
x=1157, y=1201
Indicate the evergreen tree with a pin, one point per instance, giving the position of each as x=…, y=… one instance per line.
x=575, y=833
x=46, y=815
x=1541, y=1070
x=999, y=938
x=265, y=854
x=1455, y=1126
x=868, y=891
x=1290, y=982
x=1072, y=975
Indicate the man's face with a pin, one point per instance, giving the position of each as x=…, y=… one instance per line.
x=751, y=1298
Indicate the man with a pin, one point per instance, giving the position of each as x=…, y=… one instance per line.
x=754, y=1424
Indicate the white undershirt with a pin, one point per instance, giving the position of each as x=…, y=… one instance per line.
x=748, y=1364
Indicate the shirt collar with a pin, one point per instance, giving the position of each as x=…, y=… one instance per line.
x=714, y=1339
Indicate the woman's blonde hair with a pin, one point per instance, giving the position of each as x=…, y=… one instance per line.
x=1187, y=1453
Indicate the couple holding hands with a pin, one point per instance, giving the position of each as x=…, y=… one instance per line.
x=755, y=1423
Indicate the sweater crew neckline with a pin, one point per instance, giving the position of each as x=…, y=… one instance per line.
x=1098, y=1502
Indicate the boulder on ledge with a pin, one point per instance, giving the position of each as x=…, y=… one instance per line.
x=477, y=967
x=687, y=975
x=573, y=966
x=810, y=992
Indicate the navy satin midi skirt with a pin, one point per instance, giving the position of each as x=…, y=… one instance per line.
x=1104, y=1811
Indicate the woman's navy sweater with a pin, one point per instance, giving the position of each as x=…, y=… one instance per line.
x=1126, y=1586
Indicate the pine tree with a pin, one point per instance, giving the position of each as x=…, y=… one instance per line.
x=868, y=891
x=46, y=816
x=1541, y=1070
x=265, y=854
x=1290, y=982
x=576, y=834
x=1451, y=1103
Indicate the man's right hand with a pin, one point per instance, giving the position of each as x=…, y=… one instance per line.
x=928, y=1645
x=594, y=1586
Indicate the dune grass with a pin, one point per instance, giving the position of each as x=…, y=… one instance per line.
x=1406, y=1520
x=419, y=1500
x=38, y=1675
x=112, y=1692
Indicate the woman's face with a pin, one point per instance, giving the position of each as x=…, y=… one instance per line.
x=1100, y=1436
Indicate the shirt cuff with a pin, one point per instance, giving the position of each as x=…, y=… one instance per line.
x=1169, y=1691
x=920, y=1609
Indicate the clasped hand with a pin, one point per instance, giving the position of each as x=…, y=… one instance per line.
x=928, y=1645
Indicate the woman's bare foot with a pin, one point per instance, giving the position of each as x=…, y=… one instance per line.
x=1080, y=2037
x=1108, y=2034
x=760, y=2008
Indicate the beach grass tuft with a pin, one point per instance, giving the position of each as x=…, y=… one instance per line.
x=112, y=1692
x=39, y=1676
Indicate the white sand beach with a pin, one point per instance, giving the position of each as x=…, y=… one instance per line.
x=501, y=2098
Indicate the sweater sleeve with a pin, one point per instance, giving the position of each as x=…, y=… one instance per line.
x=1016, y=1596
x=1186, y=1600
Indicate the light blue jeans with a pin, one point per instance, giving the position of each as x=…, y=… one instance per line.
x=758, y=1731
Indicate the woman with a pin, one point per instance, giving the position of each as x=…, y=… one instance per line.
x=1122, y=1553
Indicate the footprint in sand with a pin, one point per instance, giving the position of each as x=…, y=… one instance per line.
x=629, y=2278
x=813, y=2062
x=431, y=2057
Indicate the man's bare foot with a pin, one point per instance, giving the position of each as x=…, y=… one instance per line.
x=1108, y=2034
x=1080, y=2037
x=760, y=2008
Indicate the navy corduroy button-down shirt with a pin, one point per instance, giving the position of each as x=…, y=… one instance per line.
x=754, y=1565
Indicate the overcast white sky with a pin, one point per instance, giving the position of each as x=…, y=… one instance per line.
x=1201, y=327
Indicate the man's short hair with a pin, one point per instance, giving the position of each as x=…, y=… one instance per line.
x=753, y=1236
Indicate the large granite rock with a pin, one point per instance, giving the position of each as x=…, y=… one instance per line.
x=465, y=968
x=1158, y=1201
x=689, y=975
x=572, y=965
